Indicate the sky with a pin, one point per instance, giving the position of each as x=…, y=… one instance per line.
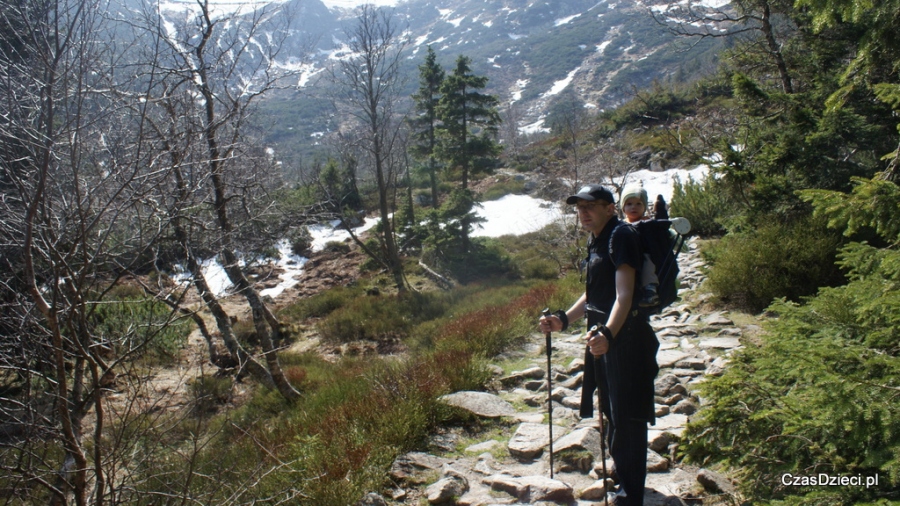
x=512, y=214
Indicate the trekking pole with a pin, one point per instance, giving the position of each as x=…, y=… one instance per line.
x=546, y=314
x=595, y=329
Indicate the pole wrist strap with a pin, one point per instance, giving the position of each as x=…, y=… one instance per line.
x=559, y=313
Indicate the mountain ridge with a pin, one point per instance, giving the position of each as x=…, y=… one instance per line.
x=536, y=55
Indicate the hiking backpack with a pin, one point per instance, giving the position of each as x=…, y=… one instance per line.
x=662, y=239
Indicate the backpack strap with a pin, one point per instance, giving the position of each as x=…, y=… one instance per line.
x=640, y=263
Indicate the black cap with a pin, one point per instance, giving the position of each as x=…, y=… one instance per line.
x=591, y=192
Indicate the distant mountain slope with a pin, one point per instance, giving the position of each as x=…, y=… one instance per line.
x=534, y=52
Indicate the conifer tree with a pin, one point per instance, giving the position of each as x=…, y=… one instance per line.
x=425, y=124
x=468, y=131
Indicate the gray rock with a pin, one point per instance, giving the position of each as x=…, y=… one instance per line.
x=730, y=332
x=412, y=467
x=561, y=393
x=517, y=377
x=717, y=367
x=668, y=358
x=495, y=370
x=664, y=384
x=715, y=482
x=656, y=463
x=485, y=464
x=685, y=407
x=696, y=363
x=483, y=447
x=535, y=385
x=659, y=441
x=595, y=491
x=530, y=489
x=573, y=402
x=717, y=318
x=669, y=332
x=574, y=381
x=530, y=439
x=673, y=422
x=532, y=372
x=661, y=410
x=576, y=365
x=583, y=439
x=535, y=401
x=597, y=472
x=480, y=403
x=687, y=373
x=446, y=489
x=372, y=499
x=720, y=343
x=524, y=417
x=673, y=399
x=484, y=497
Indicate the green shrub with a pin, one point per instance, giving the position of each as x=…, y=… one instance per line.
x=321, y=304
x=245, y=332
x=819, y=394
x=379, y=318
x=704, y=203
x=540, y=268
x=300, y=240
x=814, y=397
x=337, y=247
x=130, y=321
x=486, y=259
x=751, y=269
x=502, y=189
x=209, y=392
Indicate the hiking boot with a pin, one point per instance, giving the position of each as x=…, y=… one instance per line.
x=618, y=498
x=649, y=297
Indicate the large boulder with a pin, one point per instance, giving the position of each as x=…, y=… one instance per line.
x=482, y=404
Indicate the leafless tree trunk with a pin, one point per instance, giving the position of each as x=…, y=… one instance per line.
x=511, y=137
x=73, y=209
x=212, y=77
x=738, y=18
x=367, y=87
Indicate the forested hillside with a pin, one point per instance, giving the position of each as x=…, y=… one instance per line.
x=131, y=156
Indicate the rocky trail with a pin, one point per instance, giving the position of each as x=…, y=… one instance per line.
x=510, y=463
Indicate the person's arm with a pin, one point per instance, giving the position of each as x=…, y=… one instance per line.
x=625, y=275
x=552, y=323
x=624, y=293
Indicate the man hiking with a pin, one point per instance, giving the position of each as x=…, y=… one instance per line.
x=620, y=359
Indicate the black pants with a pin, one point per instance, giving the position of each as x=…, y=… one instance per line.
x=628, y=448
x=625, y=379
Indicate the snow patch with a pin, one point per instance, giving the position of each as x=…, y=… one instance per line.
x=560, y=85
x=515, y=215
x=563, y=21
x=536, y=127
x=517, y=91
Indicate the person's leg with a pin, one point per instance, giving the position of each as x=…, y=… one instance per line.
x=628, y=447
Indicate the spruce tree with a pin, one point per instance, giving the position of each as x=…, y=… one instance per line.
x=425, y=124
x=468, y=131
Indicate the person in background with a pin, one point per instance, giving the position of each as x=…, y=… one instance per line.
x=620, y=359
